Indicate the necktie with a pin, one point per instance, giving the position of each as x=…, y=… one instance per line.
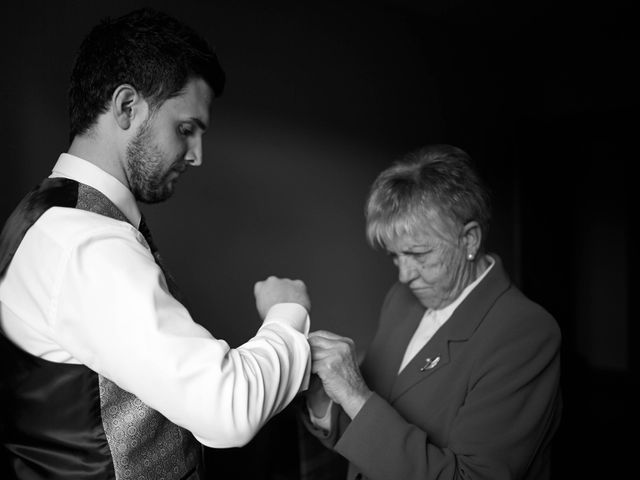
x=171, y=283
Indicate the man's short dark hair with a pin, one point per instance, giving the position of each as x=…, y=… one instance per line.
x=147, y=49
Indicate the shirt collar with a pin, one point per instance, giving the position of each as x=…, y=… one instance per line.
x=75, y=168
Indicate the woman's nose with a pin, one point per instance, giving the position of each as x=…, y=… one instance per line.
x=406, y=269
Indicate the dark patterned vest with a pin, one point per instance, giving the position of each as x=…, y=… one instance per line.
x=64, y=421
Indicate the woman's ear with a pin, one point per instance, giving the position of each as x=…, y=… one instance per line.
x=471, y=239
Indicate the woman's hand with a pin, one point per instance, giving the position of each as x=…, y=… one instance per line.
x=336, y=363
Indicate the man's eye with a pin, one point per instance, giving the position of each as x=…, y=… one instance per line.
x=185, y=130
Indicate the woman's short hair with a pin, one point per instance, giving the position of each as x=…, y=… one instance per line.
x=438, y=178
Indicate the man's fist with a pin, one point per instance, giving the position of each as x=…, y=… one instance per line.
x=280, y=290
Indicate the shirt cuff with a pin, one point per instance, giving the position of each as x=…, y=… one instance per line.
x=324, y=422
x=292, y=314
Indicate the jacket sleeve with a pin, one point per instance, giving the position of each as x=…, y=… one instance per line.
x=510, y=405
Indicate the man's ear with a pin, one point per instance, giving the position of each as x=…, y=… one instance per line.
x=471, y=238
x=126, y=105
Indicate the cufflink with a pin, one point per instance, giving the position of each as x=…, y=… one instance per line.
x=430, y=363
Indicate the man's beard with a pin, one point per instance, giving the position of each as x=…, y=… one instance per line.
x=147, y=180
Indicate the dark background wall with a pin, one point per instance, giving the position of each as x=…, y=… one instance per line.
x=322, y=96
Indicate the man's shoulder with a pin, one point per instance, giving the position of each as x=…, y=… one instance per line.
x=71, y=226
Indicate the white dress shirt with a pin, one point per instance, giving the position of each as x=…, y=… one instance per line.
x=84, y=289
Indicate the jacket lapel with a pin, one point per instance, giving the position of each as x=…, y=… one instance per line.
x=431, y=358
x=400, y=319
x=435, y=355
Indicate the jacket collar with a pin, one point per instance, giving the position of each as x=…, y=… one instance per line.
x=459, y=327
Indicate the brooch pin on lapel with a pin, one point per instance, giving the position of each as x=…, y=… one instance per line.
x=430, y=363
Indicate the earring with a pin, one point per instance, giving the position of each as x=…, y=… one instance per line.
x=470, y=256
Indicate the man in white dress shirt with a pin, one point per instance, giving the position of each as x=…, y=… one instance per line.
x=104, y=372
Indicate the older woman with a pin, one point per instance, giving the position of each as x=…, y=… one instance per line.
x=462, y=377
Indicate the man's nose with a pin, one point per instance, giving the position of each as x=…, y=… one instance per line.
x=194, y=155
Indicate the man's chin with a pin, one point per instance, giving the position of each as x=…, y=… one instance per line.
x=156, y=196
